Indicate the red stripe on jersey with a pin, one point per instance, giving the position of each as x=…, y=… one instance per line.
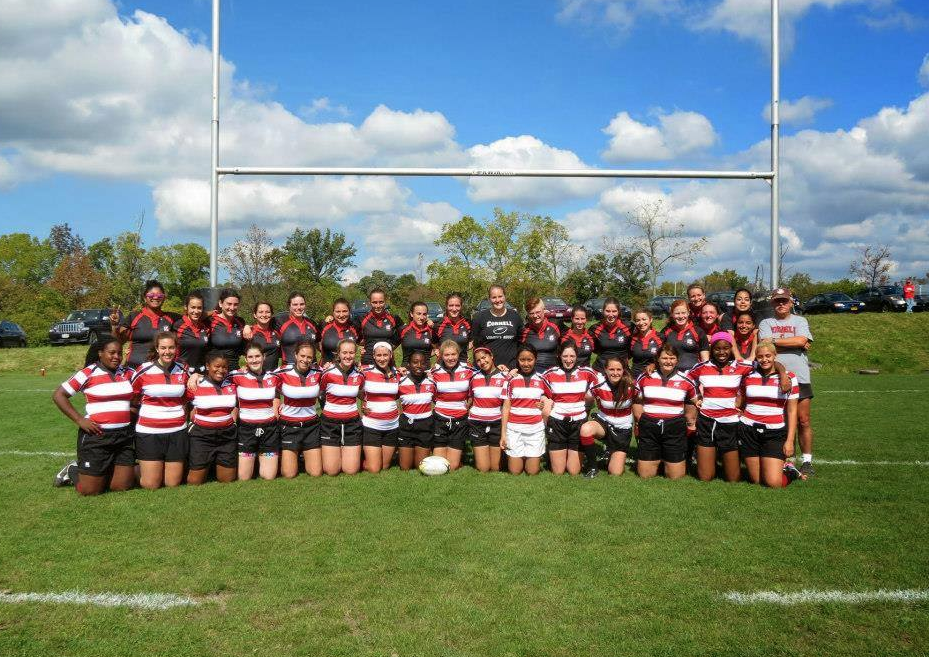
x=617, y=414
x=379, y=392
x=719, y=387
x=524, y=393
x=665, y=399
x=256, y=394
x=213, y=403
x=416, y=397
x=107, y=393
x=299, y=393
x=764, y=401
x=451, y=389
x=339, y=391
x=164, y=395
x=487, y=396
x=568, y=391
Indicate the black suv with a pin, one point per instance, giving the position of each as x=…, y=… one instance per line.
x=81, y=326
x=660, y=306
x=12, y=335
x=883, y=298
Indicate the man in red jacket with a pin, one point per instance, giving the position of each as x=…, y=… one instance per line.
x=909, y=295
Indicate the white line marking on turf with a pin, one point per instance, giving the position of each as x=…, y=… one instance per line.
x=134, y=600
x=852, y=462
x=872, y=390
x=814, y=596
x=28, y=389
x=19, y=452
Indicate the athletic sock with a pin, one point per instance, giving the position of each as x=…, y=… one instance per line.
x=807, y=458
x=590, y=456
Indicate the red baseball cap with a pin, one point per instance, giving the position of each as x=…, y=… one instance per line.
x=780, y=293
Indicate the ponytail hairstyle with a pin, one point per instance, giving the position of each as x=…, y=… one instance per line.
x=623, y=387
x=153, y=350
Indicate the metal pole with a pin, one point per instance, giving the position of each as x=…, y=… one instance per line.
x=467, y=173
x=214, y=144
x=775, y=143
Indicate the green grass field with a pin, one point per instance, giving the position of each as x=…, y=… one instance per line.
x=469, y=564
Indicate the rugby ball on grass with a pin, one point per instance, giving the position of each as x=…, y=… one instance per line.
x=432, y=466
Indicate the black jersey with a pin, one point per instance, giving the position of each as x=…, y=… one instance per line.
x=545, y=338
x=143, y=326
x=689, y=341
x=415, y=338
x=293, y=331
x=270, y=343
x=378, y=328
x=583, y=344
x=456, y=330
x=226, y=337
x=330, y=336
x=727, y=320
x=499, y=334
x=642, y=349
x=193, y=341
x=611, y=341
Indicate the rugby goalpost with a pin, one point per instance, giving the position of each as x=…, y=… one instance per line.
x=772, y=176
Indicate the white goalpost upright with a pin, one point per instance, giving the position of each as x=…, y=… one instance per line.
x=771, y=176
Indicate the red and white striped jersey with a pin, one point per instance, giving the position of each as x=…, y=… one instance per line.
x=164, y=395
x=663, y=399
x=616, y=414
x=569, y=390
x=525, y=393
x=379, y=392
x=299, y=393
x=452, y=387
x=487, y=396
x=416, y=397
x=719, y=387
x=256, y=394
x=339, y=391
x=213, y=403
x=107, y=393
x=764, y=401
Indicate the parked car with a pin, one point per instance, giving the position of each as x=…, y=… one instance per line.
x=435, y=310
x=81, y=326
x=832, y=302
x=12, y=335
x=724, y=301
x=882, y=299
x=921, y=303
x=359, y=310
x=595, y=310
x=661, y=306
x=761, y=305
x=556, y=310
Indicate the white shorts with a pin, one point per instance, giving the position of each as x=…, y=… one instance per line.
x=525, y=441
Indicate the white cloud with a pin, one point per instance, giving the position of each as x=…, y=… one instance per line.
x=678, y=133
x=393, y=241
x=323, y=105
x=798, y=112
x=924, y=72
x=618, y=14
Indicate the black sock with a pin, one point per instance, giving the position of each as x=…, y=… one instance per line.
x=590, y=456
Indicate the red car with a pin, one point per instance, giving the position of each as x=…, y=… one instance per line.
x=556, y=309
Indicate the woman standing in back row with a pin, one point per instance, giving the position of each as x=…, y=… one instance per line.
x=498, y=328
x=611, y=335
x=140, y=328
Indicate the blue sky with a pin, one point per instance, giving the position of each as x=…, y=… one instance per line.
x=108, y=114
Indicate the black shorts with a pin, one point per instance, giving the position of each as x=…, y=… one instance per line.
x=563, y=434
x=259, y=438
x=757, y=440
x=300, y=437
x=724, y=436
x=449, y=432
x=96, y=455
x=336, y=433
x=806, y=390
x=209, y=446
x=415, y=433
x=615, y=439
x=484, y=434
x=379, y=437
x=662, y=440
x=169, y=447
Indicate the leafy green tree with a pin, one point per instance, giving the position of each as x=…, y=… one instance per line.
x=251, y=263
x=549, y=248
x=65, y=241
x=727, y=279
x=126, y=265
x=315, y=256
x=26, y=259
x=34, y=307
x=181, y=268
x=454, y=275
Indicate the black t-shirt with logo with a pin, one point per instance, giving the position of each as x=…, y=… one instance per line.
x=459, y=331
x=378, y=328
x=143, y=326
x=193, y=341
x=546, y=337
x=414, y=339
x=499, y=334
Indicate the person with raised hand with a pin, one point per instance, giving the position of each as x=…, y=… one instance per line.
x=105, y=440
x=139, y=328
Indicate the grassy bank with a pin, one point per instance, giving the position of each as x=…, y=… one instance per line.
x=892, y=343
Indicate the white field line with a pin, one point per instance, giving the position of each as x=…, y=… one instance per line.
x=814, y=596
x=19, y=452
x=28, y=389
x=875, y=390
x=134, y=600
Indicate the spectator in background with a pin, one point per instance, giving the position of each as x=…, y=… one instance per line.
x=909, y=295
x=791, y=335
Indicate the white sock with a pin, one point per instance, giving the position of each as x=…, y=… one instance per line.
x=807, y=458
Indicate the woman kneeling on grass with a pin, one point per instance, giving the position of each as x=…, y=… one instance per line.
x=105, y=442
x=340, y=427
x=769, y=420
x=300, y=385
x=381, y=419
x=523, y=424
x=258, y=431
x=416, y=393
x=665, y=412
x=614, y=394
x=213, y=437
x=452, y=380
x=161, y=440
x=568, y=385
x=487, y=387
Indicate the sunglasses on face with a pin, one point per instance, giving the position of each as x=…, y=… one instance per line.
x=780, y=302
x=154, y=296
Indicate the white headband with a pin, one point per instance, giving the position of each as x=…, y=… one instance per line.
x=382, y=344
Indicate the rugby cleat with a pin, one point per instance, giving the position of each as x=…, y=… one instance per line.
x=806, y=469
x=67, y=475
x=591, y=473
